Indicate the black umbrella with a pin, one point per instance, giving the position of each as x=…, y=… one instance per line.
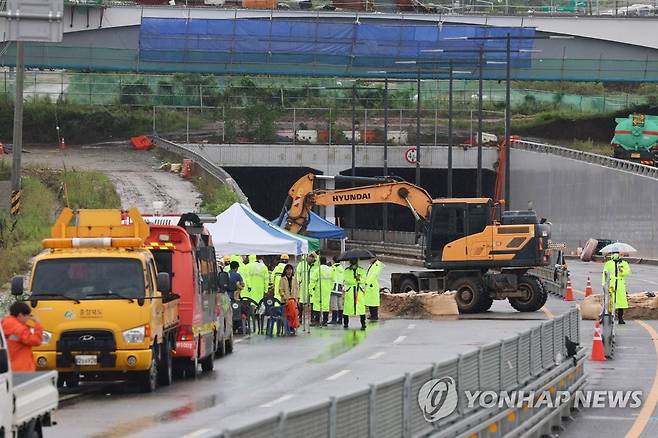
x=357, y=254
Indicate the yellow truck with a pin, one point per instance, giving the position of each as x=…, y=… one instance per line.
x=106, y=311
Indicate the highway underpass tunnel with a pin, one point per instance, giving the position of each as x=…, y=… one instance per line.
x=267, y=188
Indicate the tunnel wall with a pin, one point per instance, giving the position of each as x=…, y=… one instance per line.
x=584, y=200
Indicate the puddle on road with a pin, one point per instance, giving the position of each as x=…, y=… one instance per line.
x=350, y=339
x=140, y=424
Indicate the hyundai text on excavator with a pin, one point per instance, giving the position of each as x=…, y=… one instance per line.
x=469, y=246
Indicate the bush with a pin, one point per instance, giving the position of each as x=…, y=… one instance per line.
x=215, y=197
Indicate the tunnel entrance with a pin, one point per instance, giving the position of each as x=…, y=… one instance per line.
x=267, y=188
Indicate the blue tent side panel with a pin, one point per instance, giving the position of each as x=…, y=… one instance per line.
x=321, y=228
x=318, y=227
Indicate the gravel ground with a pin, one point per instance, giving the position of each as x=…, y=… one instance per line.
x=135, y=174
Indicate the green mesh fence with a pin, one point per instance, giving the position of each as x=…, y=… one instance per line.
x=104, y=59
x=194, y=90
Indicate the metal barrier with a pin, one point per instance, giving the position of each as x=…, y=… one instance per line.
x=588, y=157
x=536, y=360
x=213, y=170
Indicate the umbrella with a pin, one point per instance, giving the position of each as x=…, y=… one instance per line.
x=357, y=254
x=618, y=247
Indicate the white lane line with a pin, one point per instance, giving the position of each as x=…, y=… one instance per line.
x=399, y=339
x=276, y=401
x=338, y=375
x=197, y=433
x=376, y=355
x=411, y=326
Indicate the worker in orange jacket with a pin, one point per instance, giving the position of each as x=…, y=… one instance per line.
x=21, y=337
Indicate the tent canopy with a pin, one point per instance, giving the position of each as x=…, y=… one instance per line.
x=318, y=227
x=240, y=231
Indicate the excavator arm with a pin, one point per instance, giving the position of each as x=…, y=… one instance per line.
x=302, y=196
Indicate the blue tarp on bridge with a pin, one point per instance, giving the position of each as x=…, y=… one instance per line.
x=288, y=45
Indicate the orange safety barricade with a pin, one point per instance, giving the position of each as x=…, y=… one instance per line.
x=141, y=143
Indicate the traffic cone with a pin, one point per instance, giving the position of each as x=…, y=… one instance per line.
x=588, y=288
x=568, y=296
x=62, y=145
x=597, y=344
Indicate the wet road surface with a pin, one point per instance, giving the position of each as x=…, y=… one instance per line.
x=267, y=375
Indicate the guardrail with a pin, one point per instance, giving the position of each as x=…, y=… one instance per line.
x=589, y=157
x=536, y=360
x=213, y=170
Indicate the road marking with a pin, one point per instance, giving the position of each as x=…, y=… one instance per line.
x=338, y=375
x=399, y=339
x=376, y=355
x=650, y=403
x=197, y=433
x=237, y=341
x=276, y=401
x=548, y=313
x=411, y=326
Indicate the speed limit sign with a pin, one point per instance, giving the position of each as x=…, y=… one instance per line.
x=410, y=155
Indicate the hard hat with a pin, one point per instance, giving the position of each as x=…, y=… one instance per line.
x=284, y=257
x=227, y=258
x=251, y=258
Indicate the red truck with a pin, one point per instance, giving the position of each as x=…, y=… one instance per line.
x=183, y=248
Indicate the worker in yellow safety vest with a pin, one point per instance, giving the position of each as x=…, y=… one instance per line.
x=277, y=272
x=372, y=288
x=322, y=279
x=614, y=276
x=354, y=297
x=257, y=278
x=337, y=292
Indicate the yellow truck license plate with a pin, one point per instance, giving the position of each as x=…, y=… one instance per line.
x=635, y=155
x=85, y=359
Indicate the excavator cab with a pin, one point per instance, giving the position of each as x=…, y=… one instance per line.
x=457, y=231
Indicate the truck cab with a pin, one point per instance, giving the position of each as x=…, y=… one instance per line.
x=106, y=311
x=182, y=247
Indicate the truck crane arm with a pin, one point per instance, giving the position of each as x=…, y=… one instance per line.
x=302, y=197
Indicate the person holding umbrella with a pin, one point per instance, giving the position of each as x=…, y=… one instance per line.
x=615, y=271
x=355, y=282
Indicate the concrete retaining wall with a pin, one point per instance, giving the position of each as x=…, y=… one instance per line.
x=585, y=200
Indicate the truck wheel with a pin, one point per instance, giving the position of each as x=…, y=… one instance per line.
x=534, y=295
x=165, y=370
x=208, y=363
x=192, y=367
x=31, y=430
x=486, y=304
x=220, y=349
x=229, y=345
x=178, y=370
x=408, y=285
x=469, y=294
x=148, y=379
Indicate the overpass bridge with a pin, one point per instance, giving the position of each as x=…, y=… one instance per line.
x=108, y=38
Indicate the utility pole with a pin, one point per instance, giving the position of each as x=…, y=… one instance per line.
x=18, y=130
x=418, y=129
x=478, y=183
x=384, y=207
x=508, y=121
x=353, y=207
x=449, y=194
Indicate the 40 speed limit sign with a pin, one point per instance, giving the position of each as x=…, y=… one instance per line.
x=410, y=155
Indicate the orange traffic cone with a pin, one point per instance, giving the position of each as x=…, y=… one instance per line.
x=588, y=288
x=568, y=296
x=597, y=344
x=62, y=145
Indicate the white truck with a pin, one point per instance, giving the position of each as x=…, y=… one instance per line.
x=26, y=399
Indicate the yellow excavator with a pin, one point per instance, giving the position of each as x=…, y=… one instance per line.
x=470, y=246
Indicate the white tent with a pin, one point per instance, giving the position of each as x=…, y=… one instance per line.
x=241, y=231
